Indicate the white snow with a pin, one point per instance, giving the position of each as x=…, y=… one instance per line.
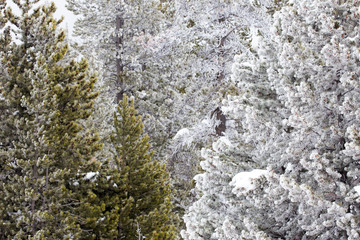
x=90, y=175
x=357, y=189
x=182, y=133
x=142, y=94
x=244, y=181
x=207, y=122
x=222, y=144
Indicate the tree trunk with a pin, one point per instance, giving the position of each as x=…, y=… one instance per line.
x=118, y=43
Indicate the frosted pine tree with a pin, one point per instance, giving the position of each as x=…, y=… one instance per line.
x=310, y=180
x=316, y=52
x=302, y=131
x=121, y=38
x=209, y=34
x=243, y=149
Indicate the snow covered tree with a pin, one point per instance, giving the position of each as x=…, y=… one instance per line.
x=219, y=213
x=45, y=152
x=134, y=188
x=208, y=35
x=298, y=111
x=318, y=58
x=120, y=37
x=211, y=33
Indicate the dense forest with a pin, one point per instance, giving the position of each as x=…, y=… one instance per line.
x=180, y=119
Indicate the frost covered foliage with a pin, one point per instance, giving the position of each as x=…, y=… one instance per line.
x=122, y=38
x=185, y=143
x=208, y=34
x=206, y=37
x=297, y=118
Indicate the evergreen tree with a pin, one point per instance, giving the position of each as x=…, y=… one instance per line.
x=131, y=59
x=219, y=213
x=3, y=18
x=297, y=113
x=134, y=188
x=45, y=152
x=211, y=33
x=315, y=79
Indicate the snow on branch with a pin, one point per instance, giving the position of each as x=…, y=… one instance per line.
x=245, y=181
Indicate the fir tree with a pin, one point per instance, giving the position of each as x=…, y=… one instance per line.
x=45, y=152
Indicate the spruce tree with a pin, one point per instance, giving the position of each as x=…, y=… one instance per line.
x=133, y=187
x=44, y=151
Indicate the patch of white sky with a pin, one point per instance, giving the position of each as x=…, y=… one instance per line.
x=69, y=17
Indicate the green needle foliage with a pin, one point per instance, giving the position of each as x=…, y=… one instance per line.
x=44, y=151
x=134, y=188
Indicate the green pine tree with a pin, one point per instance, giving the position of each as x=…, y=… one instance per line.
x=134, y=188
x=45, y=153
x=3, y=19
